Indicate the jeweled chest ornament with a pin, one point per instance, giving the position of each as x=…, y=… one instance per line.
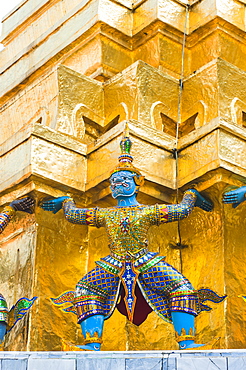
x=125, y=225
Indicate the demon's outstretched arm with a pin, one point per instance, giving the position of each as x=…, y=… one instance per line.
x=174, y=212
x=82, y=216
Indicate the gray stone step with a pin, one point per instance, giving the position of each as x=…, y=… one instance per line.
x=121, y=360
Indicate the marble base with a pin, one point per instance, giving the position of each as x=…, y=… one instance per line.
x=132, y=360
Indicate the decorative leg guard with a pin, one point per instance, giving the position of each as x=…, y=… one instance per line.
x=183, y=310
x=89, y=309
x=92, y=326
x=184, y=306
x=95, y=299
x=92, y=329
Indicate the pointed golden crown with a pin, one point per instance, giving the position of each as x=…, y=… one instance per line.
x=125, y=158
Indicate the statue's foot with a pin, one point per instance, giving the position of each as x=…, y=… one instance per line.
x=191, y=345
x=90, y=347
x=66, y=346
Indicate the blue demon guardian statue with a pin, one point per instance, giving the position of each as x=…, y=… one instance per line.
x=141, y=279
x=8, y=318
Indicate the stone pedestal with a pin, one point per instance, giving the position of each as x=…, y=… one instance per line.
x=120, y=360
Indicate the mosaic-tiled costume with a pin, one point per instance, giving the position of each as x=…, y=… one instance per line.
x=16, y=313
x=130, y=269
x=8, y=318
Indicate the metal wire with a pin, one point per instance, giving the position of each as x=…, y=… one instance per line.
x=181, y=80
x=179, y=244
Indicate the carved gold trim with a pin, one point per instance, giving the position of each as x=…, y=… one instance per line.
x=92, y=339
x=185, y=336
x=67, y=200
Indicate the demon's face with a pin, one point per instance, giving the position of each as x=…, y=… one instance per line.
x=122, y=184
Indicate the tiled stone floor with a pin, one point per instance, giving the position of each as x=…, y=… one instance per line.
x=142, y=360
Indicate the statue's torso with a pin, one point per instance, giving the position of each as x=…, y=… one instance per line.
x=127, y=227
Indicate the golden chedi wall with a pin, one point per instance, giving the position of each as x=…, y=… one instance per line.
x=72, y=74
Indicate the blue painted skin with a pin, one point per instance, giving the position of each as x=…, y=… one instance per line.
x=183, y=320
x=25, y=204
x=124, y=190
x=3, y=327
x=235, y=197
x=91, y=325
x=53, y=205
